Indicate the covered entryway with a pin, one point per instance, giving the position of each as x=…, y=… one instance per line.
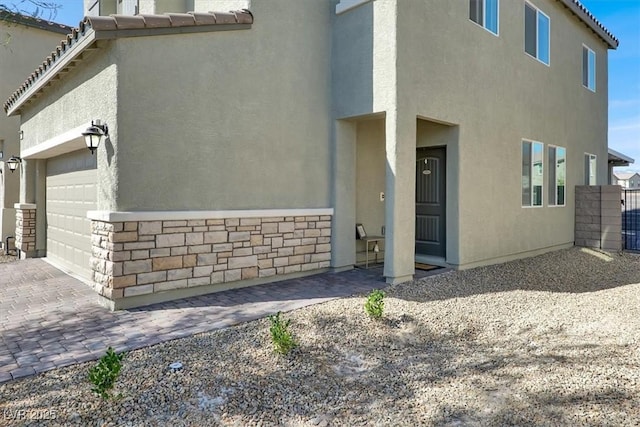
x=70, y=193
x=431, y=202
x=436, y=221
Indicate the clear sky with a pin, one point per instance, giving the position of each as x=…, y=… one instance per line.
x=621, y=17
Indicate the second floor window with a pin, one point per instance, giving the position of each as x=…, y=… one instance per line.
x=537, y=28
x=485, y=13
x=588, y=68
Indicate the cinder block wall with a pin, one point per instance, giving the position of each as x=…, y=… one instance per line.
x=598, y=217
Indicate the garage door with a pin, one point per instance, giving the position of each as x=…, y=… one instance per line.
x=71, y=192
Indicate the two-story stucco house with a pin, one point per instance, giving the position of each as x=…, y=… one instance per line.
x=628, y=180
x=24, y=41
x=244, y=147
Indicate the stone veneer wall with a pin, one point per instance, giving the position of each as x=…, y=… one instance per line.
x=144, y=257
x=26, y=230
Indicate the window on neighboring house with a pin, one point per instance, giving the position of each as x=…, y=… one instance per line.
x=557, y=175
x=590, y=163
x=536, y=33
x=485, y=13
x=532, y=170
x=588, y=68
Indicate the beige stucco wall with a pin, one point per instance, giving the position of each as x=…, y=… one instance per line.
x=86, y=93
x=365, y=77
x=247, y=127
x=454, y=71
x=370, y=178
x=22, y=49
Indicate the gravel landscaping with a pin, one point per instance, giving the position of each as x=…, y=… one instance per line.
x=551, y=340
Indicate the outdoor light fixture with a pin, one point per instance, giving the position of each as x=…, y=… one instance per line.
x=13, y=163
x=94, y=133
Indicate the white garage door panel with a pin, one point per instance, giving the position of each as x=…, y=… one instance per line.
x=69, y=196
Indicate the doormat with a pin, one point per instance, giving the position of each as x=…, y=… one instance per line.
x=425, y=267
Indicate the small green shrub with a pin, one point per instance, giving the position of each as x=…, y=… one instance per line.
x=375, y=304
x=281, y=337
x=104, y=375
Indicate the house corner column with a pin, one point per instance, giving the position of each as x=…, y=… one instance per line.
x=399, y=259
x=41, y=203
x=344, y=195
x=26, y=211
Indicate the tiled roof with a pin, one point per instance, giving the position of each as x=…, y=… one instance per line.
x=126, y=22
x=30, y=21
x=624, y=175
x=93, y=28
x=587, y=17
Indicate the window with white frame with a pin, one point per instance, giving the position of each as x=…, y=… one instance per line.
x=590, y=164
x=537, y=30
x=588, y=68
x=485, y=14
x=532, y=170
x=557, y=175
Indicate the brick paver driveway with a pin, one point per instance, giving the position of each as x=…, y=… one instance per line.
x=49, y=320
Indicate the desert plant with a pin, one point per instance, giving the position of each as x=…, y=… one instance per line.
x=104, y=374
x=374, y=306
x=281, y=337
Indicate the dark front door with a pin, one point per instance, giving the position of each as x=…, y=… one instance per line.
x=430, y=201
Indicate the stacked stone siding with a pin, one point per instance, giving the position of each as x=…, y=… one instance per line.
x=144, y=257
x=26, y=231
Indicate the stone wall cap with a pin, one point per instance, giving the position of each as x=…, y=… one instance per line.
x=111, y=216
x=24, y=206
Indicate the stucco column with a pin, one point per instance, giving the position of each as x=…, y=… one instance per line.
x=41, y=203
x=27, y=181
x=9, y=189
x=343, y=245
x=399, y=258
x=26, y=210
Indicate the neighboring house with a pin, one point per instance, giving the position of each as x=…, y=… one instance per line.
x=617, y=159
x=244, y=147
x=630, y=180
x=24, y=41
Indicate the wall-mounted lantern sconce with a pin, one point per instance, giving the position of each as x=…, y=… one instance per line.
x=94, y=133
x=21, y=135
x=13, y=163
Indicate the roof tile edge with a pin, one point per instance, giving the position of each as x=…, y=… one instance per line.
x=588, y=18
x=30, y=21
x=125, y=22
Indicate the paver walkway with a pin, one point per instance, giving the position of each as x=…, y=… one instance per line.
x=49, y=320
